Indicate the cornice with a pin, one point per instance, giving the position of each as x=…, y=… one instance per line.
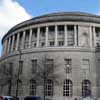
x=57, y=17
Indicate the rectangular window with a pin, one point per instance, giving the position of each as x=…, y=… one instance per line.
x=42, y=44
x=85, y=64
x=70, y=27
x=34, y=65
x=34, y=32
x=68, y=63
x=70, y=37
x=20, y=67
x=61, y=29
x=4, y=68
x=10, y=68
x=50, y=65
x=61, y=43
x=97, y=30
x=52, y=43
x=42, y=31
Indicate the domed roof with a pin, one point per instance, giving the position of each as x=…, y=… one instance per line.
x=68, y=13
x=59, y=16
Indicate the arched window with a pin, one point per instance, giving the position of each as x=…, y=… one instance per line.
x=32, y=87
x=67, y=88
x=86, y=88
x=49, y=88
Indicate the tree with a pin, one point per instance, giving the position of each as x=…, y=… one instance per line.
x=6, y=71
x=45, y=68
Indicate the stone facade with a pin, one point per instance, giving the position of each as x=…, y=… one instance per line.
x=71, y=39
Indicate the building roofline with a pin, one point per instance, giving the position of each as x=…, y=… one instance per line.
x=57, y=16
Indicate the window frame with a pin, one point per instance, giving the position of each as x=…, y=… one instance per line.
x=49, y=87
x=33, y=87
x=67, y=88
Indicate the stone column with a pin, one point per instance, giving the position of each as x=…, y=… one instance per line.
x=46, y=37
x=75, y=35
x=23, y=39
x=17, y=42
x=90, y=32
x=9, y=42
x=30, y=38
x=5, y=47
x=65, y=32
x=38, y=36
x=56, y=32
x=94, y=35
x=12, y=45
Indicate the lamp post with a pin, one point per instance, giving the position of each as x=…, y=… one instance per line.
x=18, y=74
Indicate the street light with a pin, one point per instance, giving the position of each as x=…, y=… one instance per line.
x=19, y=71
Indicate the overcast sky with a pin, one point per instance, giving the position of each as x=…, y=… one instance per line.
x=13, y=12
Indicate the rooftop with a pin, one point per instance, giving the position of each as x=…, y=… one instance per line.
x=58, y=16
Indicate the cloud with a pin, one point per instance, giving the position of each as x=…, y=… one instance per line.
x=11, y=13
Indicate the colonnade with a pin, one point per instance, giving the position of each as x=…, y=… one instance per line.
x=14, y=39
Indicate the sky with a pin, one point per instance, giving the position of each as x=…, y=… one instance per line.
x=13, y=12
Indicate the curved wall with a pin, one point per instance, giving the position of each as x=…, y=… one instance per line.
x=64, y=37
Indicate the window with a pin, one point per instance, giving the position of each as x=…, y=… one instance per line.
x=51, y=30
x=85, y=64
x=42, y=44
x=67, y=88
x=20, y=67
x=34, y=65
x=49, y=88
x=61, y=43
x=34, y=32
x=52, y=43
x=42, y=34
x=4, y=70
x=60, y=29
x=50, y=65
x=34, y=44
x=86, y=88
x=42, y=31
x=97, y=30
x=70, y=27
x=11, y=68
x=70, y=37
x=32, y=87
x=26, y=45
x=99, y=60
x=98, y=44
x=68, y=66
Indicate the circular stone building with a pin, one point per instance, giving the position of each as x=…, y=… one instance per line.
x=55, y=54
